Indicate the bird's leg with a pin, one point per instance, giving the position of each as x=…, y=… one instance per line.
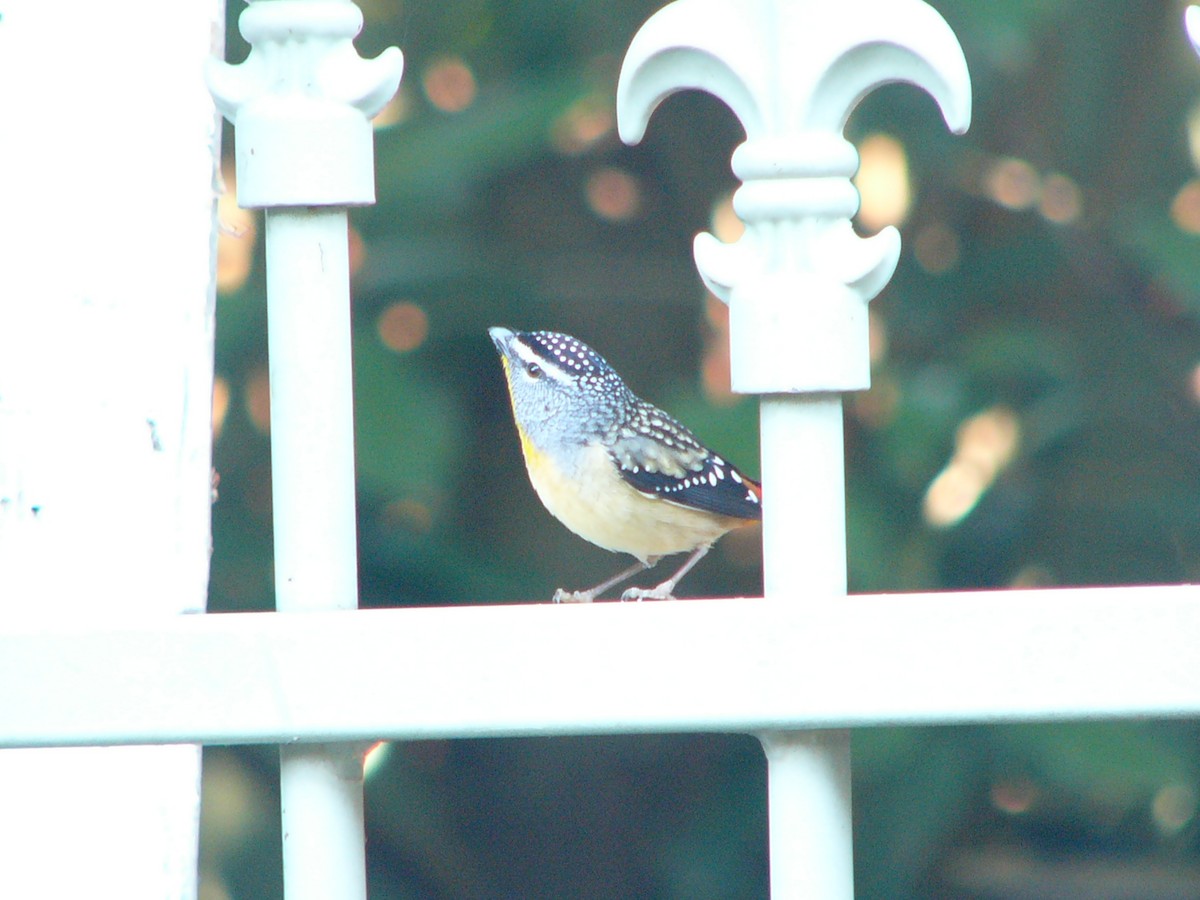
x=665, y=591
x=561, y=596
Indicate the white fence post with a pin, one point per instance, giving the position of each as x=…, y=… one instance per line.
x=798, y=283
x=109, y=144
x=301, y=104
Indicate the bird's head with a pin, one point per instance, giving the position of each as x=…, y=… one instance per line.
x=558, y=384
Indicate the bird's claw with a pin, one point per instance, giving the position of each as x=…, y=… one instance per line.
x=662, y=592
x=561, y=596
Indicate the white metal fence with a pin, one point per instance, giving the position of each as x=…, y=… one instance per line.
x=776, y=667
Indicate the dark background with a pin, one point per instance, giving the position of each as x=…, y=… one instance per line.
x=1032, y=421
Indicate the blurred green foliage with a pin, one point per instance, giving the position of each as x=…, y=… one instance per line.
x=1051, y=272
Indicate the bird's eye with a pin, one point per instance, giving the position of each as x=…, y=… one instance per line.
x=533, y=370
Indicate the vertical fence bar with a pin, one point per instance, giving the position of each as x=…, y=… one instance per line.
x=797, y=284
x=312, y=475
x=808, y=815
x=804, y=543
x=312, y=437
x=301, y=105
x=803, y=458
x=321, y=807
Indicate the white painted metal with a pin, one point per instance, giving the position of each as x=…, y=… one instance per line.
x=804, y=547
x=803, y=462
x=316, y=558
x=809, y=822
x=301, y=104
x=736, y=665
x=312, y=422
x=797, y=283
x=1191, y=21
x=106, y=318
x=323, y=859
x=792, y=71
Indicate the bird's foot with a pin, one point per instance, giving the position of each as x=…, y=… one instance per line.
x=662, y=592
x=561, y=596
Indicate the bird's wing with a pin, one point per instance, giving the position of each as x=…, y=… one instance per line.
x=685, y=472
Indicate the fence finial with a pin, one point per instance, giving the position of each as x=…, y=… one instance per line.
x=302, y=103
x=792, y=71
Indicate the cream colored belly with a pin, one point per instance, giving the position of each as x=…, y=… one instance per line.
x=599, y=506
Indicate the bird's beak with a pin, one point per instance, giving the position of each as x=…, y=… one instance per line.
x=502, y=338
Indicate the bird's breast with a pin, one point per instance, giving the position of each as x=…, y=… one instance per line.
x=582, y=488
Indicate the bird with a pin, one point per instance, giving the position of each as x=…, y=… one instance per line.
x=613, y=468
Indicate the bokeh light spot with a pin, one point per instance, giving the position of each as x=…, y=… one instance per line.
x=403, y=327
x=411, y=515
x=1033, y=575
x=1193, y=134
x=232, y=804
x=449, y=85
x=585, y=121
x=1013, y=183
x=883, y=183
x=984, y=445
x=235, y=238
x=716, y=370
x=1185, y=208
x=613, y=194
x=357, y=250
x=953, y=494
x=1062, y=201
x=258, y=400
x=726, y=225
x=211, y=886
x=936, y=248
x=1014, y=796
x=877, y=337
x=220, y=404
x=1173, y=807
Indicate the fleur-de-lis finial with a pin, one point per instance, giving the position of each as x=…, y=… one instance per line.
x=302, y=103
x=792, y=71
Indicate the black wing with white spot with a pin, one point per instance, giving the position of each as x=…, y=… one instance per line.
x=717, y=487
x=660, y=457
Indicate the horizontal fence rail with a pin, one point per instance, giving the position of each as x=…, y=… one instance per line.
x=730, y=665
